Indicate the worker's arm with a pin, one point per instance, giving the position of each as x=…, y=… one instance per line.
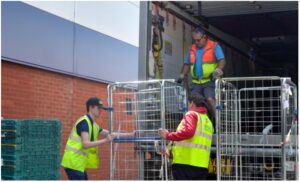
x=105, y=132
x=185, y=69
x=186, y=66
x=88, y=144
x=189, y=124
x=221, y=58
x=221, y=64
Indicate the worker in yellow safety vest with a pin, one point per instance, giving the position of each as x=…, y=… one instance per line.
x=81, y=151
x=191, y=142
x=206, y=62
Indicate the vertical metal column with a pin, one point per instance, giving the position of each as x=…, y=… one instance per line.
x=217, y=124
x=283, y=121
x=110, y=100
x=144, y=40
x=163, y=123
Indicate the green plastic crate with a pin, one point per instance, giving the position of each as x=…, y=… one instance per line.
x=36, y=128
x=29, y=165
x=30, y=149
x=34, y=147
x=23, y=136
x=29, y=177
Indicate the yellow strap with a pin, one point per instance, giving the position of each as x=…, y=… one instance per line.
x=5, y=144
x=9, y=130
x=192, y=145
x=76, y=151
x=76, y=138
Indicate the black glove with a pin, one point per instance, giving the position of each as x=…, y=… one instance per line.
x=180, y=79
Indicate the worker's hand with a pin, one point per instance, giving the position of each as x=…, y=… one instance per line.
x=132, y=134
x=167, y=153
x=110, y=137
x=180, y=79
x=216, y=74
x=163, y=133
x=114, y=135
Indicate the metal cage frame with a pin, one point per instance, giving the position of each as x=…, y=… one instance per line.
x=154, y=104
x=257, y=125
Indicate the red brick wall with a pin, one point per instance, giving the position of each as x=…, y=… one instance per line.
x=34, y=93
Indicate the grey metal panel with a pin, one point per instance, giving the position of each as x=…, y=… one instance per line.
x=144, y=40
x=225, y=8
x=34, y=36
x=216, y=8
x=98, y=55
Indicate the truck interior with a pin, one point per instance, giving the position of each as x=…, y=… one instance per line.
x=265, y=32
x=258, y=38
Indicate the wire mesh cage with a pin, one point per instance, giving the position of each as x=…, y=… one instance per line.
x=143, y=107
x=257, y=129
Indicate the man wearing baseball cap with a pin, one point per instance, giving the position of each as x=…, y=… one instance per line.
x=81, y=150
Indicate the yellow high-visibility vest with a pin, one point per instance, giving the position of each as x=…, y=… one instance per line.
x=195, y=151
x=75, y=155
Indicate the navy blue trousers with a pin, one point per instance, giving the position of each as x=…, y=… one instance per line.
x=76, y=175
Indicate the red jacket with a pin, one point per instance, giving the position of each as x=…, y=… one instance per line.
x=189, y=125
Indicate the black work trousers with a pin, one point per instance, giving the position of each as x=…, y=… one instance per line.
x=187, y=172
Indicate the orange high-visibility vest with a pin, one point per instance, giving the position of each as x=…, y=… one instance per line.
x=208, y=55
x=209, y=61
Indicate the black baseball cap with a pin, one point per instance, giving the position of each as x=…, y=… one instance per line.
x=95, y=101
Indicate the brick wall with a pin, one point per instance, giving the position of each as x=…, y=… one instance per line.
x=34, y=93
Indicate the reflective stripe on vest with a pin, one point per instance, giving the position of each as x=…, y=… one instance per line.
x=195, y=151
x=76, y=151
x=193, y=145
x=209, y=63
x=77, y=139
x=207, y=136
